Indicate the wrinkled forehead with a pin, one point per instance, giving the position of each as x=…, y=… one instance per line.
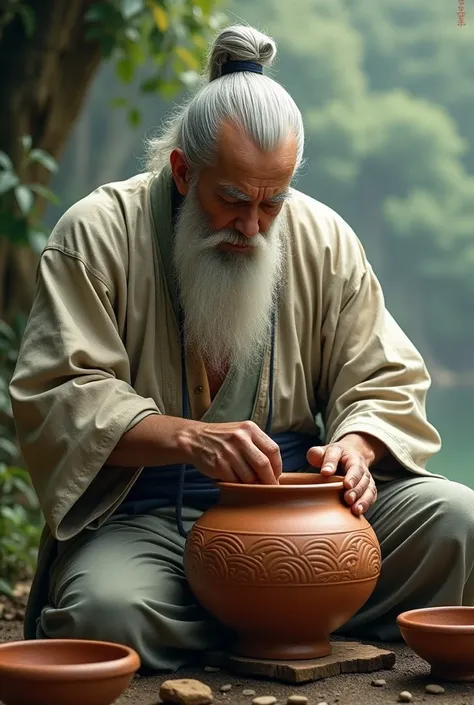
x=247, y=172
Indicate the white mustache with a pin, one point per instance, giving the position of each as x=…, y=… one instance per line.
x=232, y=238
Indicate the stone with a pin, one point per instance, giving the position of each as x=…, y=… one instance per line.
x=433, y=689
x=405, y=697
x=185, y=691
x=225, y=688
x=297, y=700
x=264, y=700
x=212, y=669
x=248, y=691
x=346, y=657
x=378, y=683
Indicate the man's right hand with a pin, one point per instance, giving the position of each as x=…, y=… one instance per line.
x=235, y=452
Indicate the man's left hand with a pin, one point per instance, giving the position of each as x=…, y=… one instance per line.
x=355, y=454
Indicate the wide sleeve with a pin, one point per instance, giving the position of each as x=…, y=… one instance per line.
x=373, y=379
x=71, y=395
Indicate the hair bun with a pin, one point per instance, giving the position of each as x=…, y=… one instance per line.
x=240, y=43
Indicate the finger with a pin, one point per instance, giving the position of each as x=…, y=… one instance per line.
x=356, y=493
x=315, y=456
x=354, y=469
x=366, y=501
x=271, y=451
x=260, y=464
x=244, y=472
x=226, y=474
x=331, y=460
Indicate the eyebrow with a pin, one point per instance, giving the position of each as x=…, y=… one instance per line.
x=236, y=193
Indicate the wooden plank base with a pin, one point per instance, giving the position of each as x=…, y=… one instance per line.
x=346, y=657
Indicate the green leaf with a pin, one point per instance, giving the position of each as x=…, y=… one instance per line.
x=108, y=44
x=131, y=8
x=45, y=159
x=134, y=117
x=25, y=199
x=188, y=58
x=125, y=70
x=136, y=53
x=8, y=181
x=170, y=89
x=151, y=85
x=10, y=514
x=205, y=5
x=119, y=103
x=161, y=17
x=6, y=331
x=5, y=161
x=29, y=20
x=45, y=193
x=14, y=229
x=5, y=588
x=99, y=12
x=133, y=34
x=8, y=448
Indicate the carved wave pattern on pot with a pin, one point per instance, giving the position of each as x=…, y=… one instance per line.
x=282, y=560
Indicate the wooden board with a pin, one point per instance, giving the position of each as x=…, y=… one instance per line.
x=346, y=657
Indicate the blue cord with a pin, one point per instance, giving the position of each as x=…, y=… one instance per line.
x=184, y=390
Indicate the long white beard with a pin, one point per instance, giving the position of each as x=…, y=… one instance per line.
x=227, y=297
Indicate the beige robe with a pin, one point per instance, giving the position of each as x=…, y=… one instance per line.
x=101, y=350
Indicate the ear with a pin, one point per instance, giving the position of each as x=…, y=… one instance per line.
x=180, y=171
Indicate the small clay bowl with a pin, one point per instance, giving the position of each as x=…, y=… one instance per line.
x=65, y=672
x=444, y=637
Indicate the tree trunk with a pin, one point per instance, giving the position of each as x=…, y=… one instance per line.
x=45, y=79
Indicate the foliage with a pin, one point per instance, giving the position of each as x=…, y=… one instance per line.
x=20, y=523
x=19, y=212
x=169, y=38
x=20, y=515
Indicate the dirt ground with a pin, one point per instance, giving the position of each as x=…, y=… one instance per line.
x=410, y=673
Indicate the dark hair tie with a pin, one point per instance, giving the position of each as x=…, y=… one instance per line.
x=232, y=66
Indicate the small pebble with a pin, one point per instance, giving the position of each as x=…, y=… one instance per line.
x=405, y=697
x=434, y=689
x=211, y=669
x=225, y=688
x=323, y=703
x=297, y=700
x=185, y=691
x=264, y=700
x=378, y=683
x=248, y=691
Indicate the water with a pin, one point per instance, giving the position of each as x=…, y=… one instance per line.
x=451, y=410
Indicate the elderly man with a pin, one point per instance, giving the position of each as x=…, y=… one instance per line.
x=192, y=324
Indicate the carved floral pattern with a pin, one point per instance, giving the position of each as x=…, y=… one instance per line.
x=249, y=559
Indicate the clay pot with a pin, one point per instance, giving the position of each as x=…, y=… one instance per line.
x=444, y=637
x=283, y=566
x=64, y=672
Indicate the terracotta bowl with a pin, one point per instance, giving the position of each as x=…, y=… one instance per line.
x=65, y=672
x=443, y=636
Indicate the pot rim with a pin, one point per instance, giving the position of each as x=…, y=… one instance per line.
x=129, y=662
x=405, y=621
x=323, y=484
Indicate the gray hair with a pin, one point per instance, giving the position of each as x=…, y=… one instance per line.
x=254, y=102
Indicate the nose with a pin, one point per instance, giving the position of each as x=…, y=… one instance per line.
x=248, y=223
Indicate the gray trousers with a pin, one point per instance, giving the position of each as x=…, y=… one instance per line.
x=125, y=582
